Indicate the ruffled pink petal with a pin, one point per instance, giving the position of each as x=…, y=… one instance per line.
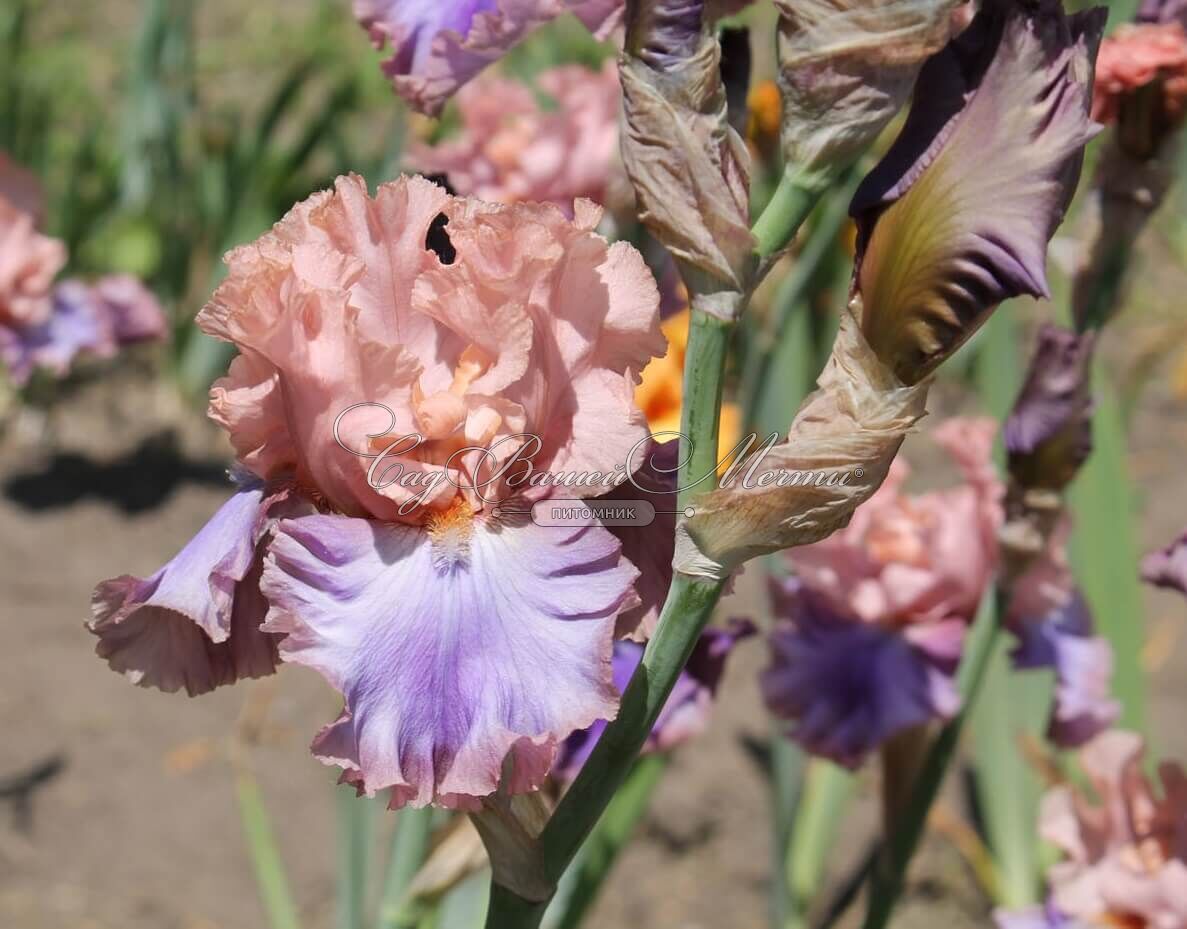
x=371, y=362
x=324, y=300
x=595, y=312
x=195, y=623
x=453, y=647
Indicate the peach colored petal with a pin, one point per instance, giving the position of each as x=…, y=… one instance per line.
x=29, y=261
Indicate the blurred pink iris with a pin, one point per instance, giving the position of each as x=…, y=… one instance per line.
x=1126, y=851
x=873, y=621
x=511, y=148
x=1136, y=55
x=29, y=261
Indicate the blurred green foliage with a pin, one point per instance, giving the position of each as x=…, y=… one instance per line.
x=188, y=148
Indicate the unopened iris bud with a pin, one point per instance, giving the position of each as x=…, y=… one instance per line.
x=689, y=168
x=846, y=68
x=1049, y=432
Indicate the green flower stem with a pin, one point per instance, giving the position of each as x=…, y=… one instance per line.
x=690, y=603
x=785, y=213
x=690, y=600
x=791, y=295
x=887, y=877
x=356, y=824
x=787, y=774
x=613, y=831
x=827, y=790
x=508, y=910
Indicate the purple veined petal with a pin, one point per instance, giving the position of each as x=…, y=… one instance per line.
x=957, y=216
x=463, y=652
x=847, y=686
x=1063, y=640
x=686, y=713
x=195, y=623
x=438, y=47
x=1167, y=567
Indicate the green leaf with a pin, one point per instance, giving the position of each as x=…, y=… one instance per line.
x=1013, y=707
x=409, y=847
x=1105, y=552
x=827, y=791
x=356, y=823
x=265, y=856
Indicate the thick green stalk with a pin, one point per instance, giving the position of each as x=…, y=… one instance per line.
x=597, y=857
x=785, y=213
x=826, y=792
x=690, y=603
x=787, y=770
x=687, y=610
x=508, y=910
x=886, y=878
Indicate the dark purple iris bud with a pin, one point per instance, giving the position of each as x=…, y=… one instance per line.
x=664, y=33
x=1049, y=432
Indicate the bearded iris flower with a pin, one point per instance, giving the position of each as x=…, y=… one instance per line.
x=1125, y=850
x=511, y=149
x=467, y=641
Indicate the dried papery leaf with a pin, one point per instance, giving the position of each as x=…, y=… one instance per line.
x=509, y=826
x=690, y=171
x=837, y=454
x=957, y=216
x=846, y=67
